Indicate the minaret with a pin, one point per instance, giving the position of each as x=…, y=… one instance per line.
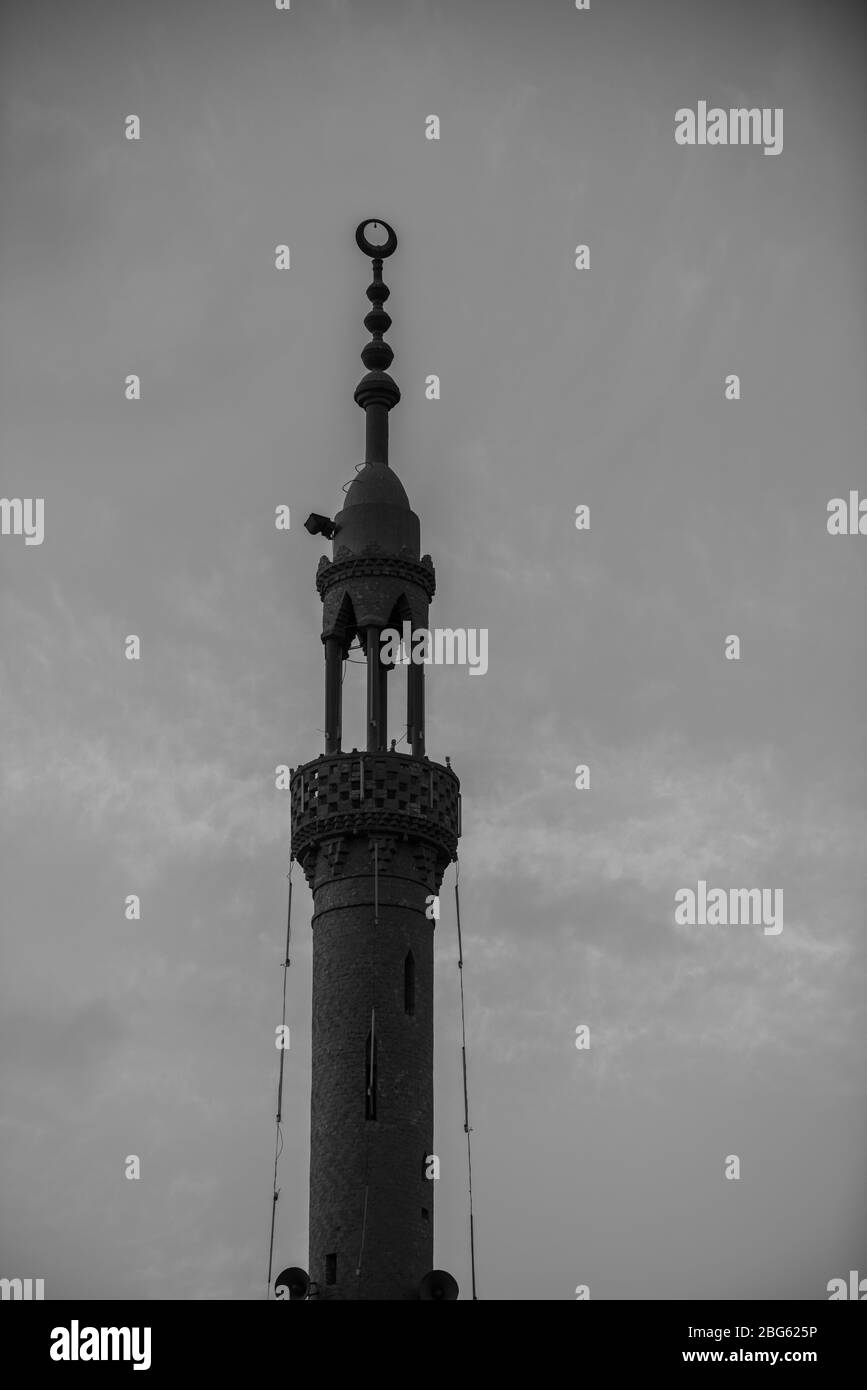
x=374, y=831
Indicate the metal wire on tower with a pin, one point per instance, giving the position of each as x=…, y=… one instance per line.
x=467, y=1126
x=278, y=1144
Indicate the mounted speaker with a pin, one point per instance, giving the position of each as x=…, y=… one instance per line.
x=319, y=525
x=438, y=1284
x=293, y=1283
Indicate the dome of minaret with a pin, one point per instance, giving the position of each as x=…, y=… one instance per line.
x=376, y=484
x=377, y=512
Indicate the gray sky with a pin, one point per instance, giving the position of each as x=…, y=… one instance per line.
x=559, y=387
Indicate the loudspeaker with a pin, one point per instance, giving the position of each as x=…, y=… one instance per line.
x=294, y=1281
x=438, y=1284
x=317, y=525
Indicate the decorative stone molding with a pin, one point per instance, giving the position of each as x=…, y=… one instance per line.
x=347, y=567
x=335, y=852
x=391, y=795
x=383, y=853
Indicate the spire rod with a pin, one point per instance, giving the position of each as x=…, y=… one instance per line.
x=376, y=393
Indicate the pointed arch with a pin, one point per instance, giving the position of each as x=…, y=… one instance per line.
x=345, y=626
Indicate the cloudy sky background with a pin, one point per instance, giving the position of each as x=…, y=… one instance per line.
x=559, y=387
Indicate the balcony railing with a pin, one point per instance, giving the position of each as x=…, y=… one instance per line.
x=342, y=792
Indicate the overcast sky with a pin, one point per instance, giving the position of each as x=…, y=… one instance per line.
x=560, y=387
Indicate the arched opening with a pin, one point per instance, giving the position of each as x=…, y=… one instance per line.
x=397, y=676
x=336, y=652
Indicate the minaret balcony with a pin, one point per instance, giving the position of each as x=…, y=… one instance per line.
x=387, y=793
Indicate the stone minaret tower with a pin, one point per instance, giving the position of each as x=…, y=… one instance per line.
x=374, y=830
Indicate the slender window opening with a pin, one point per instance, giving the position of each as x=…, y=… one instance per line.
x=409, y=984
x=331, y=1269
x=370, y=1079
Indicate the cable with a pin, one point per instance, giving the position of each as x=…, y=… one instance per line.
x=372, y=1073
x=278, y=1143
x=467, y=1127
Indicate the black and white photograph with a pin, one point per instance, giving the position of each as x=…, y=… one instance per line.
x=433, y=665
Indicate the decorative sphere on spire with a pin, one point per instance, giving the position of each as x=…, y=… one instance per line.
x=377, y=393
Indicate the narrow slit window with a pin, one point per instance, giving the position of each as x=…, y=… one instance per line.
x=409, y=984
x=331, y=1269
x=370, y=1079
